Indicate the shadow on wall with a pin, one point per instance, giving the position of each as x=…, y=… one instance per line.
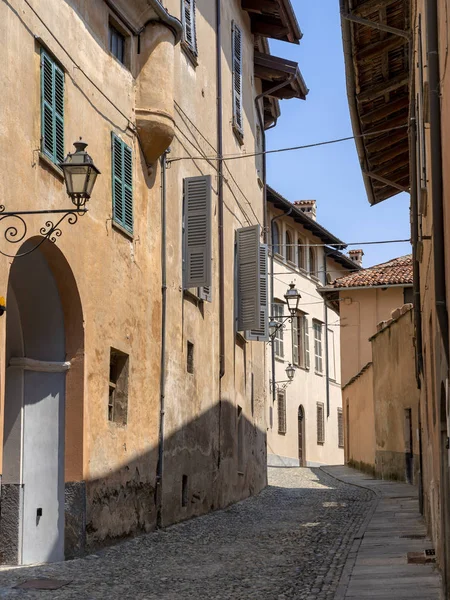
x=201, y=473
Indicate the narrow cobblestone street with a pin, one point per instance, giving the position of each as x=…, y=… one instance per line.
x=291, y=541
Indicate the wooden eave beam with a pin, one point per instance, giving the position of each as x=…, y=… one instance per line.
x=386, y=141
x=381, y=157
x=269, y=28
x=259, y=6
x=371, y=6
x=380, y=89
x=379, y=48
x=388, y=109
x=387, y=182
x=401, y=120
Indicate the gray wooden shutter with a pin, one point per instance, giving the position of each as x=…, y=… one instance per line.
x=295, y=349
x=248, y=278
x=205, y=293
x=238, y=121
x=197, y=232
x=261, y=334
x=189, y=26
x=307, y=353
x=52, y=108
x=122, y=183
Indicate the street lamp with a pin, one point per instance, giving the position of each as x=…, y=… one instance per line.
x=292, y=297
x=80, y=175
x=290, y=372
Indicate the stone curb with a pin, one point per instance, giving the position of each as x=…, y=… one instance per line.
x=357, y=540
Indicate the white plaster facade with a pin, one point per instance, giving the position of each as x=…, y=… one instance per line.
x=300, y=446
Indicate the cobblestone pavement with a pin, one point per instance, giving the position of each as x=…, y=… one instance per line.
x=291, y=541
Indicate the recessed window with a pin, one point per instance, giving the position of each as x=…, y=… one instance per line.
x=340, y=428
x=312, y=263
x=318, y=351
x=300, y=341
x=190, y=357
x=188, y=18
x=277, y=313
x=281, y=399
x=320, y=423
x=184, y=491
x=290, y=255
x=300, y=254
x=118, y=387
x=117, y=44
x=276, y=239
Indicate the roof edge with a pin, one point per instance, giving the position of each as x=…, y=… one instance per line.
x=172, y=22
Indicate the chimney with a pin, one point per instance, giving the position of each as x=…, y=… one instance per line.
x=356, y=256
x=308, y=207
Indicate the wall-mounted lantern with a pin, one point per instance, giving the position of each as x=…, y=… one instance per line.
x=80, y=175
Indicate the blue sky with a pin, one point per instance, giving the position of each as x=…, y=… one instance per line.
x=331, y=174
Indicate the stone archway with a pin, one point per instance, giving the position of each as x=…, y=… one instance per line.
x=43, y=408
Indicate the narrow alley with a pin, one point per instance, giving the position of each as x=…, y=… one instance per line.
x=294, y=540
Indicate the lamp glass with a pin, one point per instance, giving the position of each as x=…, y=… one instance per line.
x=80, y=173
x=273, y=326
x=292, y=297
x=290, y=372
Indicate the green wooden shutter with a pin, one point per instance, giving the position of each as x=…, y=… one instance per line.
x=122, y=183
x=248, y=278
x=197, y=263
x=52, y=108
x=238, y=121
x=261, y=334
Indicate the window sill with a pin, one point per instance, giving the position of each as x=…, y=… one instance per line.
x=321, y=443
x=122, y=230
x=280, y=359
x=281, y=433
x=318, y=373
x=189, y=52
x=43, y=158
x=291, y=263
x=241, y=473
x=302, y=368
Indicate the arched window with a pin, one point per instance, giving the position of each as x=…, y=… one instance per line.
x=276, y=239
x=290, y=255
x=300, y=254
x=312, y=262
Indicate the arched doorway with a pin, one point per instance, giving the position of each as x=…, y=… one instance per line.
x=44, y=333
x=301, y=437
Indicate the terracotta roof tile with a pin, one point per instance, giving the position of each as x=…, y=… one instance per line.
x=394, y=272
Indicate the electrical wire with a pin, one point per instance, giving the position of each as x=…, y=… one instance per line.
x=343, y=245
x=290, y=149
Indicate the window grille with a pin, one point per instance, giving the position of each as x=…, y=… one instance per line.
x=340, y=428
x=118, y=387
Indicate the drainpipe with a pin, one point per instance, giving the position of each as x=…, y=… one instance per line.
x=162, y=383
x=220, y=217
x=436, y=172
x=272, y=293
x=327, y=362
x=416, y=277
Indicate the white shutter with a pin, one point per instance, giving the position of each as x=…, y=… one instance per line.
x=248, y=278
x=295, y=348
x=307, y=353
x=261, y=334
x=197, y=232
x=237, y=78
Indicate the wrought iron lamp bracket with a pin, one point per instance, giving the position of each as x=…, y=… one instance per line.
x=16, y=230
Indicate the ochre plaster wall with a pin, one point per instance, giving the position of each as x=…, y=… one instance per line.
x=395, y=390
x=359, y=419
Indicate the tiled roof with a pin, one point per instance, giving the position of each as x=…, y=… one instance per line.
x=397, y=271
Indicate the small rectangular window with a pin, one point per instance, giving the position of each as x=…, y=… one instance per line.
x=340, y=428
x=117, y=44
x=52, y=108
x=122, y=183
x=320, y=423
x=190, y=357
x=318, y=353
x=184, y=491
x=281, y=400
x=278, y=311
x=240, y=439
x=118, y=387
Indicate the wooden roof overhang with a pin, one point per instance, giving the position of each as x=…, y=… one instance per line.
x=376, y=38
x=273, y=19
x=280, y=75
x=299, y=216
